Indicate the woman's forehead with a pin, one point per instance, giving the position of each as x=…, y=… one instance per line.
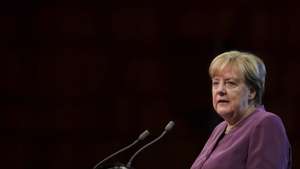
x=227, y=71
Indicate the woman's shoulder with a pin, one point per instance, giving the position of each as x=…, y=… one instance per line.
x=266, y=119
x=262, y=116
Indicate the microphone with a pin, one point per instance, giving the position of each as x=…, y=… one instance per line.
x=142, y=136
x=168, y=127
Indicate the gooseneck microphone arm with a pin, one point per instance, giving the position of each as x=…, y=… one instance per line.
x=168, y=127
x=142, y=136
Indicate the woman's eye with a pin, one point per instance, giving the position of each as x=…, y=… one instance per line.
x=215, y=83
x=231, y=84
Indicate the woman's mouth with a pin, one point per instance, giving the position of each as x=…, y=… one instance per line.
x=223, y=101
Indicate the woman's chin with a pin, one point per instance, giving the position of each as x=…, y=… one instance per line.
x=224, y=112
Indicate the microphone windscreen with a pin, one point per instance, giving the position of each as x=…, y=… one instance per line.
x=144, y=135
x=169, y=126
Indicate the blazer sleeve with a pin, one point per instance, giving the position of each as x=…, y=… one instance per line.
x=269, y=147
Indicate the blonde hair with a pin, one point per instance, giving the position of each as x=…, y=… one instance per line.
x=251, y=67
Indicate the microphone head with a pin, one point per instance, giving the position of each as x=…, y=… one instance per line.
x=144, y=135
x=169, y=126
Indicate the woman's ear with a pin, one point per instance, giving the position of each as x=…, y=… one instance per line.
x=252, y=93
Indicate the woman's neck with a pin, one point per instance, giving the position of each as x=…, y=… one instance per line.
x=246, y=113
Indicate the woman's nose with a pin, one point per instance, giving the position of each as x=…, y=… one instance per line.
x=221, y=89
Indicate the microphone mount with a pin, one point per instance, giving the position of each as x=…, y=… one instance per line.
x=142, y=136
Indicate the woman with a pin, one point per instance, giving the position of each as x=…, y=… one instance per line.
x=249, y=137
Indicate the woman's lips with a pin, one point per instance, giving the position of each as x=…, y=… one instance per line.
x=223, y=101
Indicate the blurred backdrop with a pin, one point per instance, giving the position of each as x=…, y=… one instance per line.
x=80, y=79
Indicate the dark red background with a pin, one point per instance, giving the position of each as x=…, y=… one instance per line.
x=81, y=79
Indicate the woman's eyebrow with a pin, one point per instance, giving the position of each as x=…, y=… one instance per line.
x=233, y=78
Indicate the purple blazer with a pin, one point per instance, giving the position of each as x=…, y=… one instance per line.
x=258, y=142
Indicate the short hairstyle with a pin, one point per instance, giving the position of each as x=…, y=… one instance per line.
x=251, y=67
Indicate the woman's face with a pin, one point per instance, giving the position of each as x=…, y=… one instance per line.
x=230, y=94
